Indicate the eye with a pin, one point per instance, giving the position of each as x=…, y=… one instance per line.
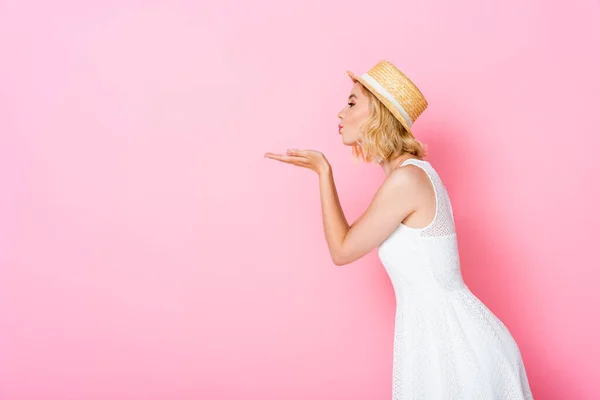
x=350, y=104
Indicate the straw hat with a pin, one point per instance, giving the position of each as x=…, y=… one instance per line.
x=397, y=93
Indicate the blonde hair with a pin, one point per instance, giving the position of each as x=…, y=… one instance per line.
x=383, y=136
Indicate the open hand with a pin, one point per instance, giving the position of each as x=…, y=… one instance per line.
x=312, y=159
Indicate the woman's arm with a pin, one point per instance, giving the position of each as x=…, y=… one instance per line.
x=397, y=198
x=334, y=221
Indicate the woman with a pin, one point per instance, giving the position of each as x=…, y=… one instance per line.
x=448, y=344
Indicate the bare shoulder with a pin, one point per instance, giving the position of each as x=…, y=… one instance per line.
x=408, y=176
x=410, y=180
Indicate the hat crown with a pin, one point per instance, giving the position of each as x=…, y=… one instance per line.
x=402, y=89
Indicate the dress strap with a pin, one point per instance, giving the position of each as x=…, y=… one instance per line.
x=443, y=221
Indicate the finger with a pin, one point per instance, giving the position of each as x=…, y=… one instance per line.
x=311, y=155
x=272, y=155
x=296, y=152
x=275, y=156
x=281, y=156
x=286, y=159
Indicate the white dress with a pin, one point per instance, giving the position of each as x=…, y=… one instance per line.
x=448, y=344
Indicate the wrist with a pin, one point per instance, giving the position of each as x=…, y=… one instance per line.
x=324, y=169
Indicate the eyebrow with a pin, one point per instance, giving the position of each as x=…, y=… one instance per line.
x=351, y=96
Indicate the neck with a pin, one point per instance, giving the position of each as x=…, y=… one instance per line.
x=389, y=166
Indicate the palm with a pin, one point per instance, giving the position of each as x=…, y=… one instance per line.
x=312, y=159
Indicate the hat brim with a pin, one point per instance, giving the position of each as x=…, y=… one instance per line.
x=388, y=104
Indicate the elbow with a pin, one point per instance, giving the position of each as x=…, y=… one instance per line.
x=339, y=260
x=342, y=255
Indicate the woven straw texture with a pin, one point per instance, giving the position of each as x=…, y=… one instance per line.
x=400, y=87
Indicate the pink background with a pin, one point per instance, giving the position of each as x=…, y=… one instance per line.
x=149, y=251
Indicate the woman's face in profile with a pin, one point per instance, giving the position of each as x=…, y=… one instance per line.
x=353, y=115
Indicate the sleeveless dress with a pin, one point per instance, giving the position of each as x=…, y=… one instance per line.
x=447, y=344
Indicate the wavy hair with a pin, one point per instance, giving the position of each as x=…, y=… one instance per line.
x=383, y=136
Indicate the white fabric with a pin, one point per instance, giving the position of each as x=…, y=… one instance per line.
x=448, y=344
x=383, y=91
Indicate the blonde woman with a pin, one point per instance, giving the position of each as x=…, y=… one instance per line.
x=448, y=344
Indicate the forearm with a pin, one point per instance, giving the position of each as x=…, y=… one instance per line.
x=334, y=221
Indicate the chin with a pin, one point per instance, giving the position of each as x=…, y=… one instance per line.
x=345, y=142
